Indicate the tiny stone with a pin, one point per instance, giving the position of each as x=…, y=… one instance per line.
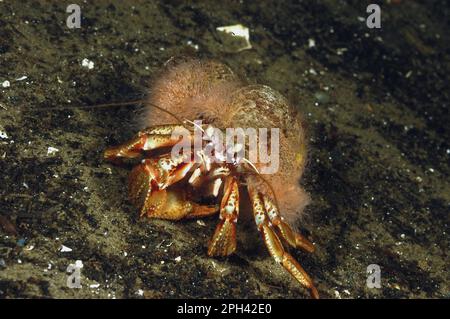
x=322, y=97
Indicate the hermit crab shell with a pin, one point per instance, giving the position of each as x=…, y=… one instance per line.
x=209, y=91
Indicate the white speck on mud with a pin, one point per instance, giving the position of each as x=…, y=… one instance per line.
x=86, y=63
x=201, y=223
x=239, y=31
x=140, y=292
x=337, y=294
x=3, y=135
x=6, y=84
x=52, y=150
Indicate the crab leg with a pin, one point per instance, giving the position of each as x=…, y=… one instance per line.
x=223, y=242
x=274, y=245
x=148, y=139
x=284, y=230
x=175, y=207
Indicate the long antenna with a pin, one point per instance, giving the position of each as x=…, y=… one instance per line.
x=106, y=105
x=166, y=111
x=97, y=106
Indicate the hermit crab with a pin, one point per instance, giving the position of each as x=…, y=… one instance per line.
x=188, y=159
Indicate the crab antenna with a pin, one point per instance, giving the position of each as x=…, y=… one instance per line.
x=106, y=105
x=251, y=164
x=97, y=106
x=166, y=111
x=195, y=124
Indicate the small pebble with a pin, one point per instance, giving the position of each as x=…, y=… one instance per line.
x=52, y=150
x=201, y=223
x=21, y=242
x=86, y=63
x=322, y=97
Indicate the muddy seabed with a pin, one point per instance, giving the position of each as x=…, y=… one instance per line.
x=375, y=102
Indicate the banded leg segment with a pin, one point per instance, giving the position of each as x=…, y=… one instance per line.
x=223, y=242
x=146, y=140
x=285, y=231
x=274, y=245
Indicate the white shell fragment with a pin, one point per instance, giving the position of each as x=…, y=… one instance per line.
x=65, y=249
x=3, y=135
x=86, y=63
x=140, y=292
x=238, y=31
x=52, y=150
x=201, y=222
x=6, y=84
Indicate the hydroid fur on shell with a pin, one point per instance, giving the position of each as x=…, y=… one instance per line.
x=209, y=91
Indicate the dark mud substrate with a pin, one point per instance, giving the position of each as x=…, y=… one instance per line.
x=375, y=101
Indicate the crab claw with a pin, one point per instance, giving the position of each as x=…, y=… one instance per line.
x=149, y=180
x=146, y=140
x=148, y=191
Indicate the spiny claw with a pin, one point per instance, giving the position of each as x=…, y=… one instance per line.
x=146, y=140
x=155, y=203
x=131, y=149
x=148, y=183
x=140, y=185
